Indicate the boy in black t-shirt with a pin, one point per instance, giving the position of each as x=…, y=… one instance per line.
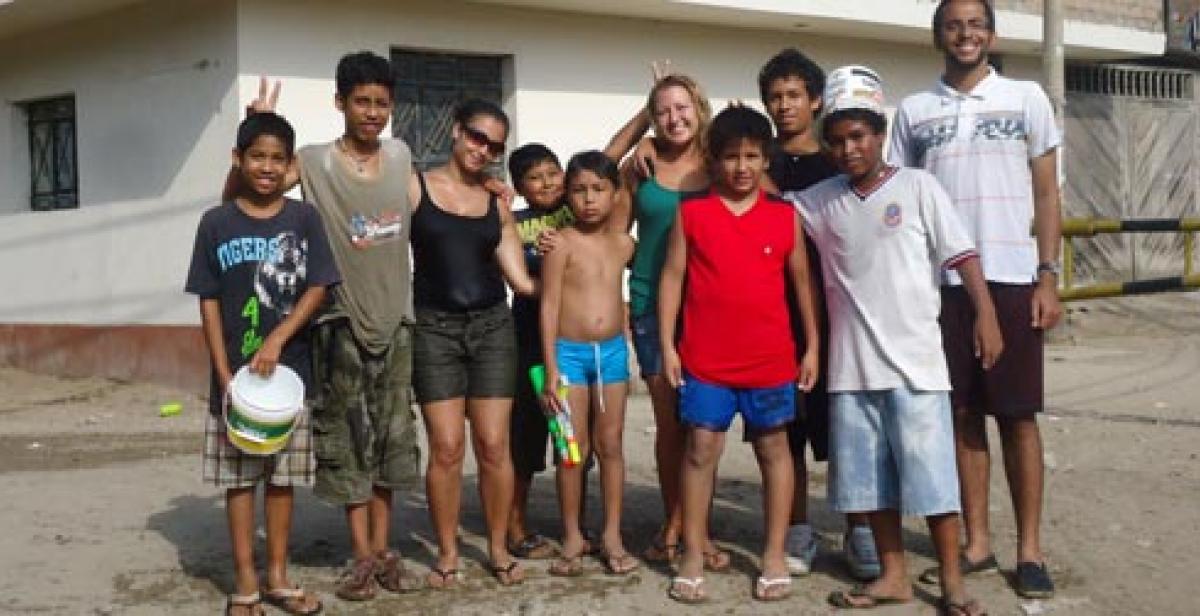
x=538, y=178
x=260, y=266
x=791, y=86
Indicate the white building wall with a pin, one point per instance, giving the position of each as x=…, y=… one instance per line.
x=156, y=110
x=577, y=77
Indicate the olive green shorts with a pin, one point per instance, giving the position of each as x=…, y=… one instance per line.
x=464, y=354
x=364, y=428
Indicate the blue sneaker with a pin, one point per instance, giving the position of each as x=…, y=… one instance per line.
x=801, y=549
x=861, y=557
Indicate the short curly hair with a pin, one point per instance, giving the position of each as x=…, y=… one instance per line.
x=792, y=62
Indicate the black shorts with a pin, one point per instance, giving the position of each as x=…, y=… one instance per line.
x=1014, y=386
x=812, y=423
x=528, y=431
x=464, y=354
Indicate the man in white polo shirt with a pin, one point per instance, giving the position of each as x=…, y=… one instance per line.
x=992, y=142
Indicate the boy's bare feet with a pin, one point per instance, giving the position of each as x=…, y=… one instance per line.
x=244, y=605
x=567, y=566
x=442, y=579
x=570, y=562
x=618, y=562
x=509, y=574
x=293, y=600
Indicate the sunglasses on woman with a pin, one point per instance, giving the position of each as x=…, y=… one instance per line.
x=479, y=138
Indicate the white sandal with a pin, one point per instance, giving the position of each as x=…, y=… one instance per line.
x=696, y=585
x=763, y=586
x=251, y=601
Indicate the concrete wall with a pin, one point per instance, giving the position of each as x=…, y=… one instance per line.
x=576, y=78
x=1139, y=14
x=156, y=109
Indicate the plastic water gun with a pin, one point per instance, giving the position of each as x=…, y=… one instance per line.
x=561, y=431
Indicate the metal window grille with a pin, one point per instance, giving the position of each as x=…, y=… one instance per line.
x=428, y=88
x=53, y=162
x=1131, y=81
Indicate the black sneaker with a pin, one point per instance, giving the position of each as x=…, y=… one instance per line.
x=1033, y=581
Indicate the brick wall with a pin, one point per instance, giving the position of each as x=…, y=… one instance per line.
x=1139, y=14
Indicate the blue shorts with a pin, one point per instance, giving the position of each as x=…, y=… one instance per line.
x=646, y=344
x=712, y=407
x=892, y=449
x=585, y=363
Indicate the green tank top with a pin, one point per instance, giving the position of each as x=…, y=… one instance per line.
x=655, y=206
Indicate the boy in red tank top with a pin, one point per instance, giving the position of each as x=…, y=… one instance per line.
x=736, y=352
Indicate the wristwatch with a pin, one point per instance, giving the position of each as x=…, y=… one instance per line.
x=1051, y=267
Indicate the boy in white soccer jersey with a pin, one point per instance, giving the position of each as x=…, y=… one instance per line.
x=884, y=235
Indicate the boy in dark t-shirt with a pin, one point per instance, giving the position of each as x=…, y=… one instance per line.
x=260, y=266
x=538, y=178
x=791, y=85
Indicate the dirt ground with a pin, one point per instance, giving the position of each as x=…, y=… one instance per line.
x=107, y=515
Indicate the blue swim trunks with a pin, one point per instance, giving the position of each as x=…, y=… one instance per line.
x=585, y=363
x=712, y=407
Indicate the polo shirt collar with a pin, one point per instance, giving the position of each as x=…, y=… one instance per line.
x=978, y=92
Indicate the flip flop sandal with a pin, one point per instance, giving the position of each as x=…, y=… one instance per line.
x=252, y=601
x=506, y=574
x=717, y=561
x=844, y=599
x=970, y=607
x=447, y=578
x=661, y=552
x=292, y=601
x=618, y=564
x=763, y=586
x=591, y=546
x=987, y=564
x=393, y=576
x=695, y=594
x=533, y=546
x=567, y=566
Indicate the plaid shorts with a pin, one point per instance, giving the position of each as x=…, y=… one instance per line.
x=227, y=466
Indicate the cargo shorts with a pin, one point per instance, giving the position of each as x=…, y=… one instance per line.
x=363, y=424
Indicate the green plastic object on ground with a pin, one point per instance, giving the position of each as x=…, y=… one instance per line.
x=560, y=425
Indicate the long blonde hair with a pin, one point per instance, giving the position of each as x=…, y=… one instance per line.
x=699, y=102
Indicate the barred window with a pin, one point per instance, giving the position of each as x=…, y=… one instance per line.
x=54, y=176
x=429, y=86
x=1130, y=81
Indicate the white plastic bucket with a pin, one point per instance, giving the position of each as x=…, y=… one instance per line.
x=262, y=411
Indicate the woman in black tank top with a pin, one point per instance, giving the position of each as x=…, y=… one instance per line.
x=465, y=245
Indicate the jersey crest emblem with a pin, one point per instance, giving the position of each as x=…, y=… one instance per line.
x=891, y=215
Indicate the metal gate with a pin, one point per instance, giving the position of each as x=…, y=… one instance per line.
x=428, y=88
x=1130, y=152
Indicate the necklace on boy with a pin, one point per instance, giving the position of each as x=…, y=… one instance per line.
x=360, y=164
